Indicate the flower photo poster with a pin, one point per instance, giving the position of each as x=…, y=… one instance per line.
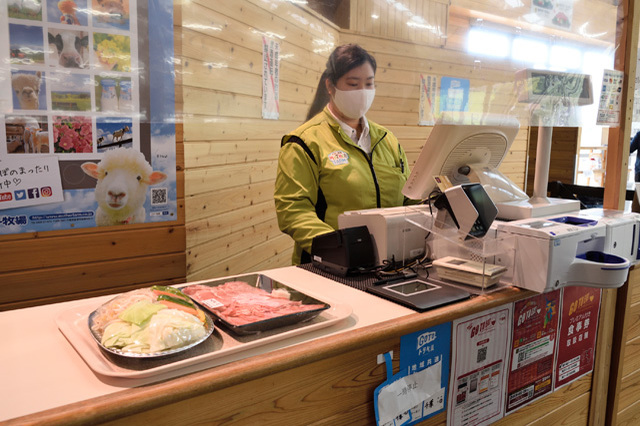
x=91, y=87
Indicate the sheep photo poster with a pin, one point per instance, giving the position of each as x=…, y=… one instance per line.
x=87, y=101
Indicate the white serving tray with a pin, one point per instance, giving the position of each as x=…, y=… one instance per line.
x=220, y=348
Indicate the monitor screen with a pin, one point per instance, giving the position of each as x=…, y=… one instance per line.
x=454, y=144
x=484, y=206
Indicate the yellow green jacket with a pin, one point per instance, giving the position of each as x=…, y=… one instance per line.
x=323, y=173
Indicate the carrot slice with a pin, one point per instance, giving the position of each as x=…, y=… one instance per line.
x=167, y=293
x=193, y=311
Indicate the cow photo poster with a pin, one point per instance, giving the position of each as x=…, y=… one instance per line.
x=86, y=91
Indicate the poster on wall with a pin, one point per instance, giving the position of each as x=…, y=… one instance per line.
x=428, y=91
x=610, y=98
x=533, y=344
x=577, y=335
x=478, y=367
x=454, y=94
x=270, y=79
x=418, y=391
x=30, y=182
x=92, y=86
x=553, y=13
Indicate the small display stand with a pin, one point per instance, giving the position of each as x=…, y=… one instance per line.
x=478, y=265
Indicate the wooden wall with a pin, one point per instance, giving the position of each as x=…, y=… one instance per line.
x=231, y=152
x=420, y=21
x=227, y=153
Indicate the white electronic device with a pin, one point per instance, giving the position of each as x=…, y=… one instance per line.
x=555, y=252
x=398, y=233
x=466, y=153
x=479, y=274
x=623, y=231
x=453, y=145
x=471, y=209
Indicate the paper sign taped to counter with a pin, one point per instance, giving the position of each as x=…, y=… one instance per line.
x=29, y=181
x=478, y=361
x=577, y=333
x=404, y=399
x=533, y=346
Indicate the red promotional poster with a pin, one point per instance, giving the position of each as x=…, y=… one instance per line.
x=578, y=329
x=533, y=343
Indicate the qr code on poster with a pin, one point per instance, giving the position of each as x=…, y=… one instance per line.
x=482, y=354
x=158, y=196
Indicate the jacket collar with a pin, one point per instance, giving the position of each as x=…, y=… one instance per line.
x=377, y=133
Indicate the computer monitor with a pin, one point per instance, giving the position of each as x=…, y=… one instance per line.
x=453, y=145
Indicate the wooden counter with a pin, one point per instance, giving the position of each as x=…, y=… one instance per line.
x=326, y=379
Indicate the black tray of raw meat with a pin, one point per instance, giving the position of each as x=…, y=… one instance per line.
x=269, y=285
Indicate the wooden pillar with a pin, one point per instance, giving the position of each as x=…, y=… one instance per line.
x=625, y=60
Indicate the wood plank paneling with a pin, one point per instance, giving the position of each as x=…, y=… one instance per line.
x=630, y=416
x=423, y=21
x=73, y=249
x=629, y=389
x=633, y=322
x=268, y=255
x=622, y=404
x=89, y=280
x=567, y=405
x=231, y=153
x=631, y=356
x=562, y=163
x=222, y=201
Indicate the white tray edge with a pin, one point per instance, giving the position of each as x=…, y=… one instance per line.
x=74, y=326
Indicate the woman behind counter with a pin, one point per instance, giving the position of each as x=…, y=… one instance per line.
x=338, y=160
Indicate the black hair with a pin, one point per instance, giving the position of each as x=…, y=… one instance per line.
x=342, y=60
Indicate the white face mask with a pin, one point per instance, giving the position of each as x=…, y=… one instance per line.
x=354, y=103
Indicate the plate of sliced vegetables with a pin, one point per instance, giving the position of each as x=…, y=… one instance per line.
x=151, y=322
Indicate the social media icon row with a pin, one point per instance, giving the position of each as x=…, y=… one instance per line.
x=24, y=194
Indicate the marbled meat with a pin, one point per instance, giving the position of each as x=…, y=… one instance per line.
x=239, y=303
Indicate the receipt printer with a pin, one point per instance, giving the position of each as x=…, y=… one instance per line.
x=398, y=233
x=562, y=251
x=344, y=252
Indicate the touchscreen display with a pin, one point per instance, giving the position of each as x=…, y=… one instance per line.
x=485, y=207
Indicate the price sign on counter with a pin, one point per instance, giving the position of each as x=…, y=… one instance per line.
x=29, y=181
x=533, y=343
x=577, y=336
x=478, y=363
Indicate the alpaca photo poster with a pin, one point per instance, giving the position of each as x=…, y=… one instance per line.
x=87, y=90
